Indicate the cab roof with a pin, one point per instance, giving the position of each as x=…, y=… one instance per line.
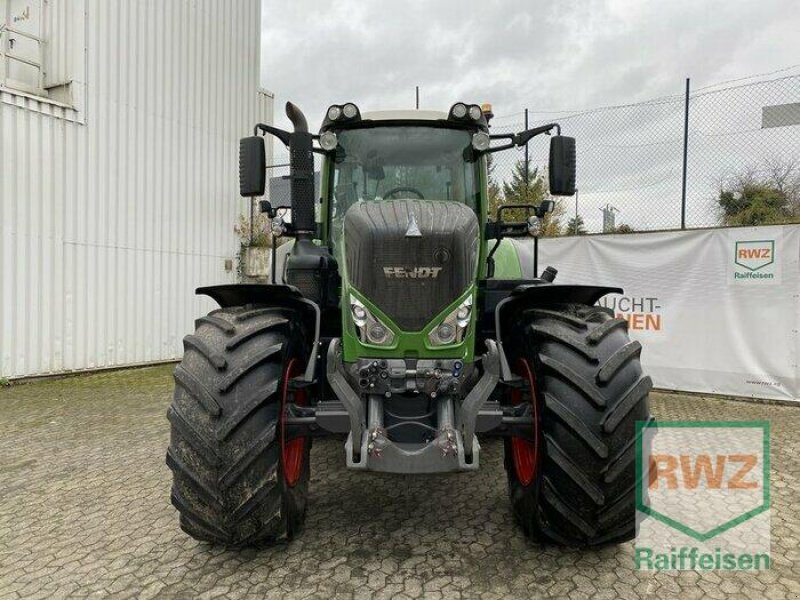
x=436, y=118
x=404, y=115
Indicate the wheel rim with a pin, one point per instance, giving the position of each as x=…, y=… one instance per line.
x=293, y=452
x=525, y=452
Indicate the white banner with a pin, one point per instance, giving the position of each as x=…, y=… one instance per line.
x=716, y=311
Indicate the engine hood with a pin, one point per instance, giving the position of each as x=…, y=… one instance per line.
x=411, y=258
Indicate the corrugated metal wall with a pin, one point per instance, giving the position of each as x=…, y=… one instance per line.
x=113, y=212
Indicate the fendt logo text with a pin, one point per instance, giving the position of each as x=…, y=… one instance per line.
x=412, y=273
x=754, y=256
x=702, y=495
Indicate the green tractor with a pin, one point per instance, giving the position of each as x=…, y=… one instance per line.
x=405, y=319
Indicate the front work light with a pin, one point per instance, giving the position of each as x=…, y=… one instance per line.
x=468, y=114
x=342, y=112
x=328, y=141
x=481, y=141
x=349, y=110
x=459, y=111
x=334, y=112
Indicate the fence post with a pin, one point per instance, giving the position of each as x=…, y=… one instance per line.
x=252, y=217
x=526, y=157
x=685, y=154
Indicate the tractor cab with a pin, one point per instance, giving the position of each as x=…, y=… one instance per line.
x=389, y=155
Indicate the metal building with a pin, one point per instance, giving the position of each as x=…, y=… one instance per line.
x=119, y=128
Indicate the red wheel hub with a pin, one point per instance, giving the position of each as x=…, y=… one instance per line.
x=293, y=451
x=525, y=452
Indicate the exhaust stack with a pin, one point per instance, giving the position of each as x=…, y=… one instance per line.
x=301, y=174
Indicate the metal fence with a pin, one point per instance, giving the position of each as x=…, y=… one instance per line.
x=711, y=157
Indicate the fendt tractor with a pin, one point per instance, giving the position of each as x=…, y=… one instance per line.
x=408, y=320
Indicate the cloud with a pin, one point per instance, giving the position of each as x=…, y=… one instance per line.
x=554, y=56
x=540, y=55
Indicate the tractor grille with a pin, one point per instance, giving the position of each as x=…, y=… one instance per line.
x=411, y=277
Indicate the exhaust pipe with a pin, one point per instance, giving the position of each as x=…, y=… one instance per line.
x=301, y=174
x=297, y=118
x=309, y=268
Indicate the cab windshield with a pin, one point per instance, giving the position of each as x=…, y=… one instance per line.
x=390, y=162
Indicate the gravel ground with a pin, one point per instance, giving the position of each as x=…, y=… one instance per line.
x=84, y=511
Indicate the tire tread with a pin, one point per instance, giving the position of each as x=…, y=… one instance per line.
x=224, y=452
x=591, y=391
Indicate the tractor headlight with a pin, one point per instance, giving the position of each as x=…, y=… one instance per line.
x=444, y=334
x=370, y=329
x=328, y=141
x=377, y=334
x=359, y=312
x=475, y=112
x=452, y=329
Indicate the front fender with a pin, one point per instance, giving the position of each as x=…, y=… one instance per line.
x=239, y=294
x=274, y=295
x=555, y=293
x=541, y=294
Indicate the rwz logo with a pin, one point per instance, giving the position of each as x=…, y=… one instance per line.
x=691, y=472
x=755, y=255
x=412, y=272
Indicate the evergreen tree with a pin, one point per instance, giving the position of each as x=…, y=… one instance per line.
x=576, y=226
x=495, y=193
x=529, y=190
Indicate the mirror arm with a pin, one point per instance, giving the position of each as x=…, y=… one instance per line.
x=282, y=135
x=524, y=137
x=501, y=136
x=499, y=148
x=315, y=138
x=490, y=258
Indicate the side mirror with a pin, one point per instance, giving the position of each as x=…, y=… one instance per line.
x=562, y=165
x=252, y=166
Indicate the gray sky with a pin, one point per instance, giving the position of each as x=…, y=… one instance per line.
x=554, y=55
x=561, y=56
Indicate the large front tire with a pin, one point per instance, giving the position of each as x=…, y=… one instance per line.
x=572, y=480
x=234, y=482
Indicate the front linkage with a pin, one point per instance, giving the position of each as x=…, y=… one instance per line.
x=279, y=364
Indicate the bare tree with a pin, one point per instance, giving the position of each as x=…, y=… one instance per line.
x=784, y=175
